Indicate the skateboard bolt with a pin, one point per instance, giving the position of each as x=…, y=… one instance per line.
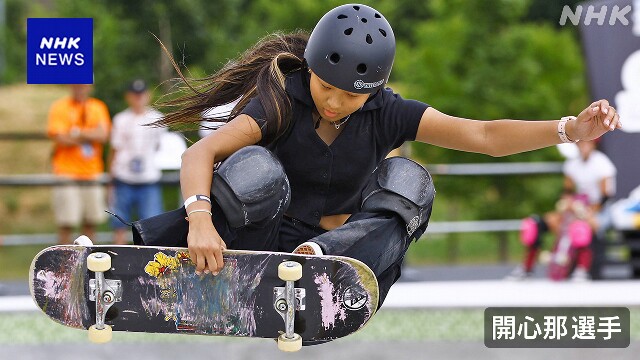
x=107, y=297
x=281, y=305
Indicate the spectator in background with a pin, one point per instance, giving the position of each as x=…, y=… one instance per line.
x=135, y=174
x=79, y=126
x=590, y=174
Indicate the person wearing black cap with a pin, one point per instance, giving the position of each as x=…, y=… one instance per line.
x=134, y=173
x=302, y=154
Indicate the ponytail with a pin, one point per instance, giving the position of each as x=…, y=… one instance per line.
x=260, y=71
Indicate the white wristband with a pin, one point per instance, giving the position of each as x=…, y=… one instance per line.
x=562, y=133
x=195, y=198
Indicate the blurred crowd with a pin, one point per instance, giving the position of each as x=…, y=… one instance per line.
x=80, y=127
x=582, y=213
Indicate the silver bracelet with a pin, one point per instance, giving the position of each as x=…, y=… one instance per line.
x=199, y=210
x=562, y=133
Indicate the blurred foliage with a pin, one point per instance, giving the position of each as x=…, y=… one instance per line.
x=482, y=59
x=549, y=11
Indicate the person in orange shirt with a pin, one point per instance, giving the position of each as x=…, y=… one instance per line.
x=79, y=126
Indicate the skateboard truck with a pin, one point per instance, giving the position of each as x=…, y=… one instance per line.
x=280, y=300
x=286, y=302
x=104, y=292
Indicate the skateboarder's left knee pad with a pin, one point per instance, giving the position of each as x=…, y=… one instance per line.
x=401, y=186
x=251, y=187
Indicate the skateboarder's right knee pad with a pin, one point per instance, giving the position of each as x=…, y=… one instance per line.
x=531, y=230
x=251, y=187
x=401, y=186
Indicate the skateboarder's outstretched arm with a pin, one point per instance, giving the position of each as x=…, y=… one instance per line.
x=506, y=137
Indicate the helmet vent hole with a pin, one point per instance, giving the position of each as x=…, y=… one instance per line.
x=348, y=31
x=369, y=39
x=357, y=8
x=361, y=69
x=377, y=16
x=384, y=33
x=342, y=16
x=364, y=20
x=334, y=58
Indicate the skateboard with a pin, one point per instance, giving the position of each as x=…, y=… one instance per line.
x=293, y=298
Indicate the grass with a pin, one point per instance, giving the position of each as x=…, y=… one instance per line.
x=387, y=325
x=15, y=261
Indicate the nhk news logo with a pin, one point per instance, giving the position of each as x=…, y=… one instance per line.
x=59, y=51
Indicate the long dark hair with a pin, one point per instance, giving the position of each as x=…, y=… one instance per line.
x=259, y=71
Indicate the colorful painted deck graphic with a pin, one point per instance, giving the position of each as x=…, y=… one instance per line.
x=163, y=294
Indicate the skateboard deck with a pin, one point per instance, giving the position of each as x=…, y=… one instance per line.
x=158, y=291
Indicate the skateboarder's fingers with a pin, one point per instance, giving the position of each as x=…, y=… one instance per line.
x=214, y=261
x=200, y=262
x=219, y=259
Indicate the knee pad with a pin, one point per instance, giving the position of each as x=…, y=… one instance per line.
x=580, y=233
x=531, y=230
x=251, y=187
x=401, y=186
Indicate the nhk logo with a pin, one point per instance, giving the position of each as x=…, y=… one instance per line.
x=55, y=59
x=59, y=51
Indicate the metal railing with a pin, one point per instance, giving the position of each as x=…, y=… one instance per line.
x=173, y=177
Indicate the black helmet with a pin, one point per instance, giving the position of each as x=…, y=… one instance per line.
x=352, y=47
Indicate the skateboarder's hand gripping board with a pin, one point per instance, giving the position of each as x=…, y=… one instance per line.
x=205, y=244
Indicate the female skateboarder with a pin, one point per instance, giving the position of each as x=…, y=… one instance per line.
x=303, y=152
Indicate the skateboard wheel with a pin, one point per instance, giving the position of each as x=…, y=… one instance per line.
x=99, y=262
x=289, y=345
x=83, y=240
x=290, y=271
x=100, y=336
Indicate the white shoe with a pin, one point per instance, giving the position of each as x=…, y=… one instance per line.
x=518, y=274
x=308, y=248
x=580, y=274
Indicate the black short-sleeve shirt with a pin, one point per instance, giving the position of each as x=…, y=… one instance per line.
x=327, y=179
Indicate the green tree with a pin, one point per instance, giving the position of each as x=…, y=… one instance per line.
x=13, y=42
